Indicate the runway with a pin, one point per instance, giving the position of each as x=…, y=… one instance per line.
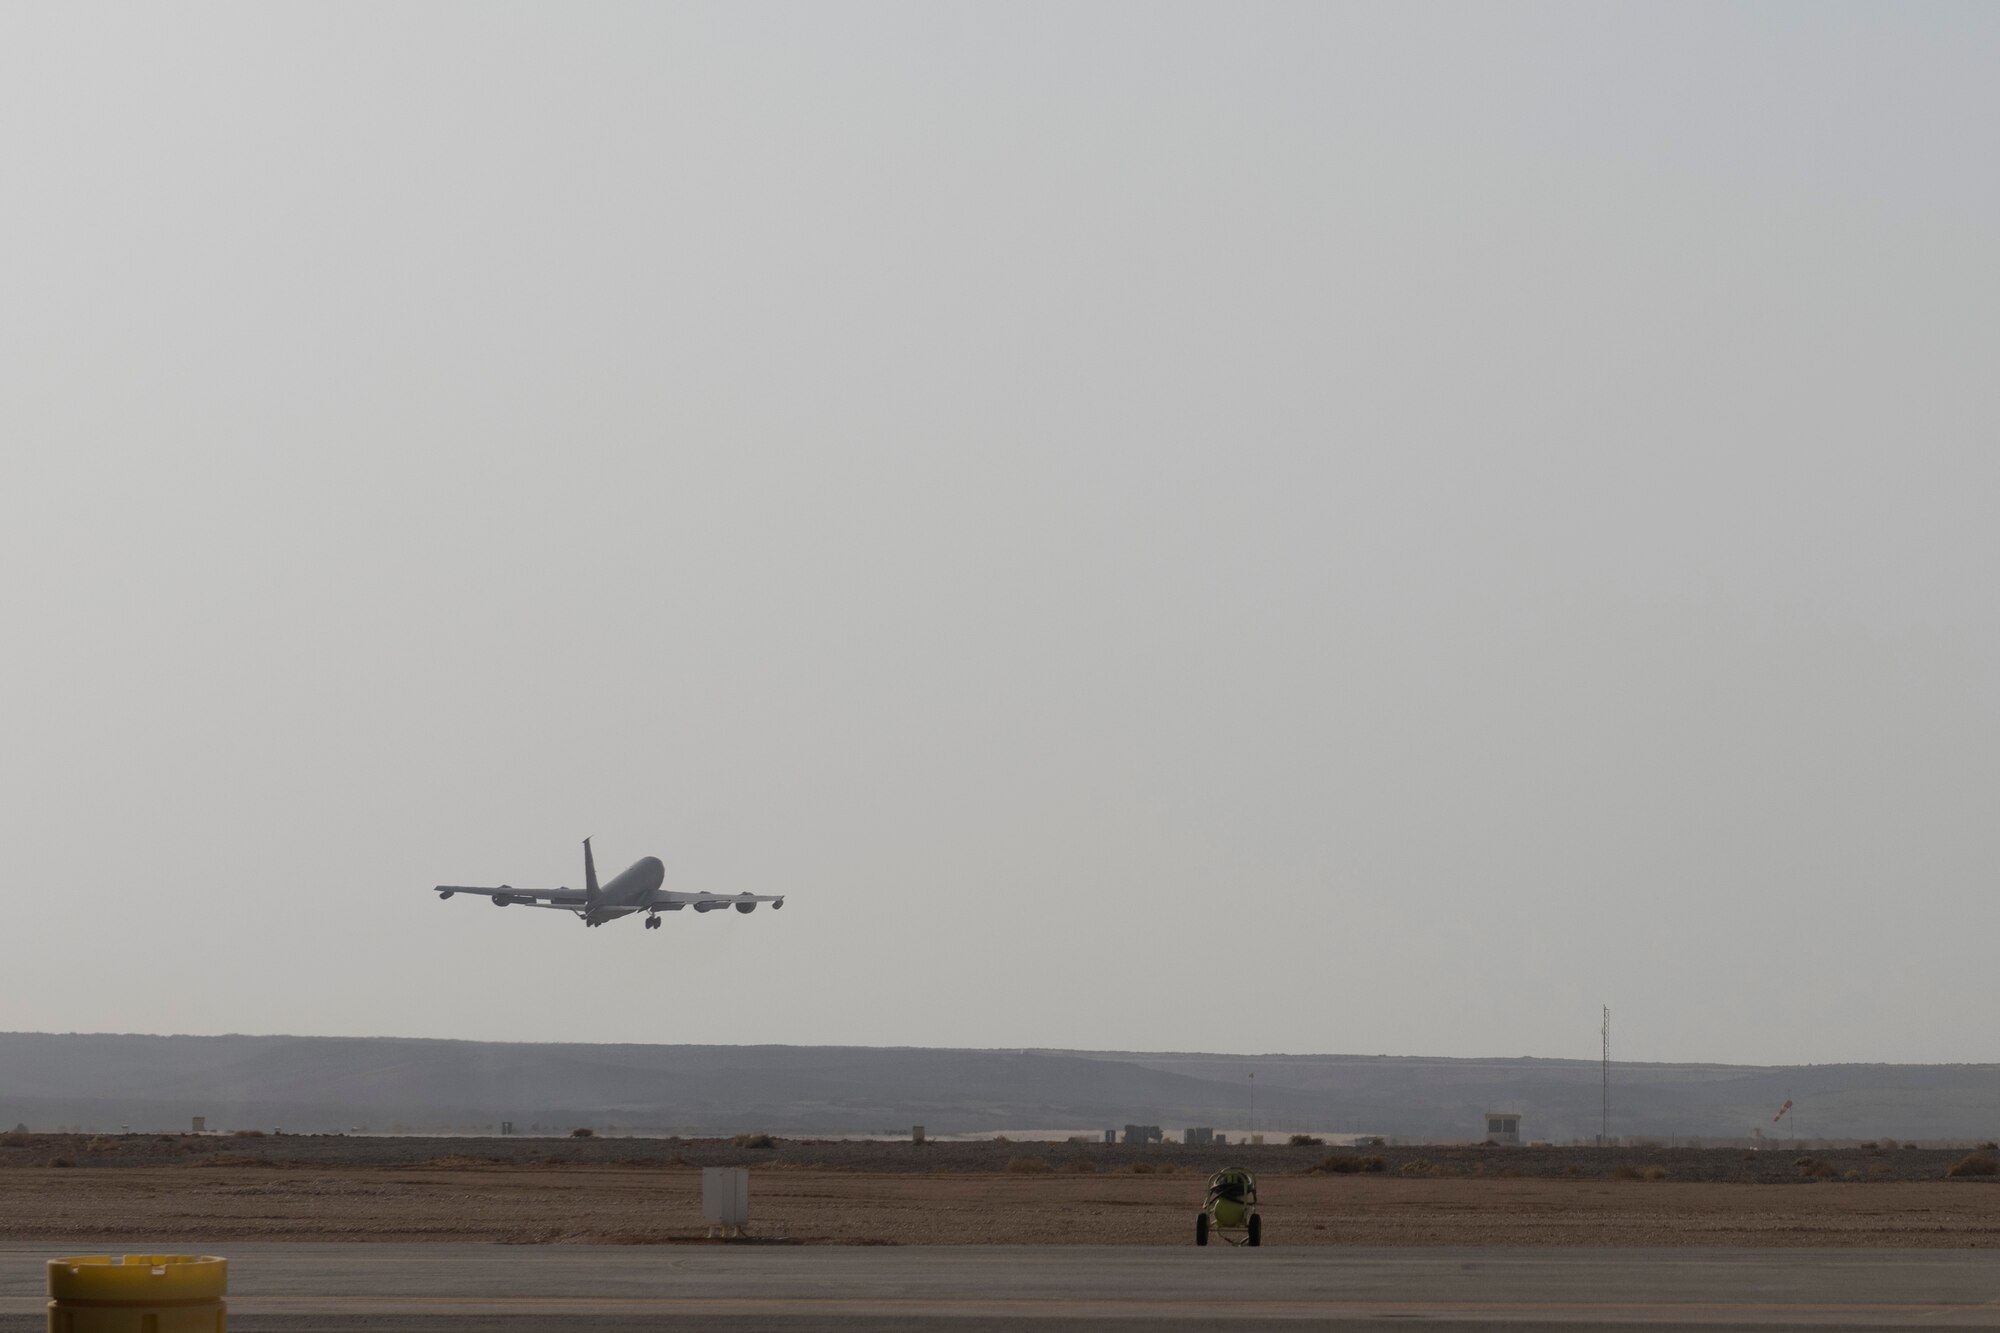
x=456, y=1288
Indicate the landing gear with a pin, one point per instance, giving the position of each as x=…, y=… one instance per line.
x=652, y=923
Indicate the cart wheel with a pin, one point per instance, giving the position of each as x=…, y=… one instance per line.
x=1256, y=1229
x=1201, y=1228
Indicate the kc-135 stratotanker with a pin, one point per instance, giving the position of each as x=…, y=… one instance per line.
x=631, y=891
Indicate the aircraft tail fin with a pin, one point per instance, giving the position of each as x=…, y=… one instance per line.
x=589, y=874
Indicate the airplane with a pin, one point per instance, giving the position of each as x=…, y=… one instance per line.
x=633, y=890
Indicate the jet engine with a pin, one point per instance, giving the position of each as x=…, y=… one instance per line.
x=444, y=893
x=501, y=900
x=708, y=907
x=746, y=907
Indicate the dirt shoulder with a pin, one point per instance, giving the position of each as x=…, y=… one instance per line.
x=273, y=1190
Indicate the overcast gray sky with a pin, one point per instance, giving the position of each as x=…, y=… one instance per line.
x=1249, y=527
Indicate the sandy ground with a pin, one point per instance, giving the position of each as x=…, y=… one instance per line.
x=207, y=1199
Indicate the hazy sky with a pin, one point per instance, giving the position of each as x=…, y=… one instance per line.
x=1284, y=527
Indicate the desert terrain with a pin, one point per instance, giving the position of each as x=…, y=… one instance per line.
x=408, y=1086
x=191, y=1190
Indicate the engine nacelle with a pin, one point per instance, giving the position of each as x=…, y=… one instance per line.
x=746, y=907
x=776, y=905
x=501, y=900
x=444, y=893
x=708, y=907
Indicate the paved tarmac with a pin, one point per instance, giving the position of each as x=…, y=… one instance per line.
x=456, y=1288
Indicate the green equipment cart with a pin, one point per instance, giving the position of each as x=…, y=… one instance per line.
x=1230, y=1210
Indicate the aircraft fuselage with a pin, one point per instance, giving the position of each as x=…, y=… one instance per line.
x=629, y=891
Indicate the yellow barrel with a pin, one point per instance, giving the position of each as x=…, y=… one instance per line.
x=138, y=1293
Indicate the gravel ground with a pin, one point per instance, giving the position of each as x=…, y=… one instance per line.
x=145, y=1190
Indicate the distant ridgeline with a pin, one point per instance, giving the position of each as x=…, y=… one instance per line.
x=390, y=1084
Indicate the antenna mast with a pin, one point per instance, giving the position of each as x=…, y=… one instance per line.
x=1604, y=1125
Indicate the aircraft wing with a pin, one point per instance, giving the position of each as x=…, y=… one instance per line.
x=709, y=902
x=506, y=895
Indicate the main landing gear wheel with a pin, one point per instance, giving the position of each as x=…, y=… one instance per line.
x=1201, y=1228
x=1256, y=1229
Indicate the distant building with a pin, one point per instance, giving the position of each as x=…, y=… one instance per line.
x=1199, y=1137
x=1504, y=1127
x=1144, y=1134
